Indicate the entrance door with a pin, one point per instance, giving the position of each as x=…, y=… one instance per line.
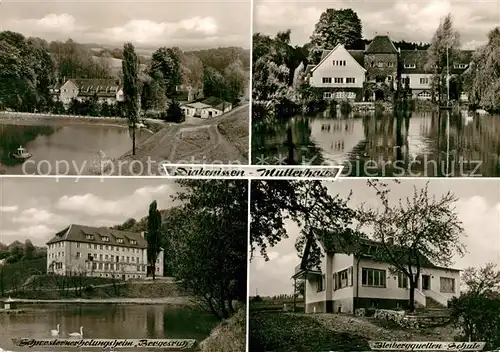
x=426, y=282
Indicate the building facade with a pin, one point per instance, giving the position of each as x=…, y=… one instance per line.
x=380, y=62
x=105, y=90
x=347, y=282
x=208, y=108
x=99, y=251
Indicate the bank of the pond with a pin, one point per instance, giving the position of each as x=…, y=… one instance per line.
x=175, y=301
x=228, y=335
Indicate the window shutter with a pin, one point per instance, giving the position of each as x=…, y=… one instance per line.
x=350, y=276
x=334, y=277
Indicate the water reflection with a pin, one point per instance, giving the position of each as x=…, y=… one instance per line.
x=122, y=321
x=403, y=144
x=78, y=144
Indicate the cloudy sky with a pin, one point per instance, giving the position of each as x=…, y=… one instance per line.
x=188, y=24
x=478, y=208
x=38, y=208
x=411, y=20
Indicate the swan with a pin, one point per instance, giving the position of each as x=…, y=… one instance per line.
x=55, y=332
x=77, y=334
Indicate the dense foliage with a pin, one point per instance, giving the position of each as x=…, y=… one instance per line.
x=482, y=80
x=131, y=88
x=477, y=310
x=17, y=251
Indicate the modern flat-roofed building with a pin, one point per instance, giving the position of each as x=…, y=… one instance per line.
x=100, y=251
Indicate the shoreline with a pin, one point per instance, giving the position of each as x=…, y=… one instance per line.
x=174, y=301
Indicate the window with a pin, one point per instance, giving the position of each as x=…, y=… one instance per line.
x=350, y=80
x=101, y=247
x=339, y=80
x=341, y=279
x=402, y=280
x=424, y=95
x=424, y=80
x=119, y=240
x=105, y=239
x=78, y=255
x=447, y=284
x=339, y=63
x=89, y=257
x=410, y=66
x=133, y=242
x=320, y=283
x=100, y=256
x=380, y=64
x=389, y=78
x=460, y=66
x=327, y=80
x=327, y=95
x=100, y=266
x=434, y=66
x=106, y=266
x=89, y=246
x=351, y=95
x=373, y=277
x=390, y=64
x=105, y=257
x=95, y=246
x=77, y=245
x=90, y=237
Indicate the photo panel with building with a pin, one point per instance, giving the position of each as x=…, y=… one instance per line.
x=373, y=87
x=358, y=260
x=127, y=258
x=105, y=92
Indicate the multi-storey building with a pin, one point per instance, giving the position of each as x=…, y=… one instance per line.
x=371, y=74
x=99, y=251
x=109, y=91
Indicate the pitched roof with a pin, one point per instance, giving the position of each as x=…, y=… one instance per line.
x=216, y=103
x=358, y=55
x=368, y=250
x=78, y=233
x=308, y=69
x=197, y=105
x=100, y=87
x=381, y=44
x=414, y=57
x=354, y=54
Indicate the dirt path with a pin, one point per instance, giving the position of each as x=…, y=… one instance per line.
x=195, y=142
x=373, y=330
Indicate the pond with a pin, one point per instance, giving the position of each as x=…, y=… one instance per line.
x=416, y=144
x=106, y=321
x=58, y=144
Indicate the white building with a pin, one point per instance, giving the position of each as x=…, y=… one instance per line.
x=99, y=251
x=346, y=282
x=339, y=74
x=208, y=108
x=106, y=90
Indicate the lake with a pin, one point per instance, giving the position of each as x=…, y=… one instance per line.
x=56, y=141
x=106, y=321
x=417, y=144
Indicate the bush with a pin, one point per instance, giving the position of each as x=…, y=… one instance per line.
x=174, y=113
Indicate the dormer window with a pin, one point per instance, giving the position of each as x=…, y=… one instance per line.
x=133, y=242
x=119, y=240
x=90, y=237
x=105, y=238
x=410, y=66
x=462, y=66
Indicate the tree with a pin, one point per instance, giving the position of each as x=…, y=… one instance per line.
x=208, y=235
x=235, y=80
x=29, y=250
x=335, y=27
x=321, y=216
x=153, y=236
x=166, y=61
x=413, y=232
x=482, y=78
x=477, y=310
x=174, y=112
x=153, y=93
x=131, y=91
x=444, y=49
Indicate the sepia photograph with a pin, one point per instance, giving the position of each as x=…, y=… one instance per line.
x=386, y=89
x=107, y=88
x=130, y=259
x=337, y=265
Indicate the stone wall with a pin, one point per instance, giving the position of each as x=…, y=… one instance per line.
x=410, y=321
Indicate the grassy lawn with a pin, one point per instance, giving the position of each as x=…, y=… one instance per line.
x=235, y=130
x=295, y=332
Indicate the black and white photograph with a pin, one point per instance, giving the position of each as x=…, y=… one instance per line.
x=337, y=265
x=387, y=88
x=124, y=259
x=118, y=88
